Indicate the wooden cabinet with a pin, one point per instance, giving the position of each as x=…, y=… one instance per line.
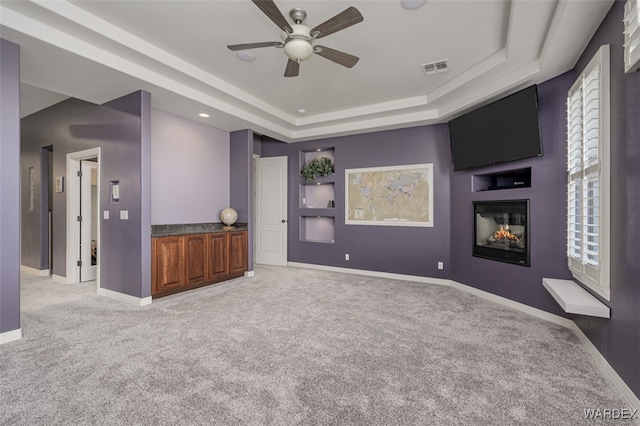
x=188, y=261
x=196, y=258
x=218, y=256
x=169, y=263
x=237, y=252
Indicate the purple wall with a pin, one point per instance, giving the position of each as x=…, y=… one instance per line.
x=197, y=157
x=394, y=249
x=74, y=125
x=618, y=338
x=241, y=146
x=547, y=213
x=415, y=251
x=9, y=187
x=138, y=284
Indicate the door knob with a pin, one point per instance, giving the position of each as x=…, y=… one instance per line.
x=283, y=220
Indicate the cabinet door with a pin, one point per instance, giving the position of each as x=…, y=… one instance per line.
x=196, y=258
x=169, y=259
x=237, y=252
x=218, y=256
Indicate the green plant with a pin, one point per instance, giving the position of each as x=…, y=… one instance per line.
x=318, y=167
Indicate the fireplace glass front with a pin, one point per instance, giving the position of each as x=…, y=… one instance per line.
x=501, y=231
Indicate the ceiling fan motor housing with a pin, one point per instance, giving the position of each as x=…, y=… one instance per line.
x=298, y=43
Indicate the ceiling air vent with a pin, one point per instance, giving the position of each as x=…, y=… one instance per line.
x=435, y=67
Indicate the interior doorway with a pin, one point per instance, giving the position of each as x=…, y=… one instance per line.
x=271, y=210
x=89, y=222
x=83, y=220
x=46, y=208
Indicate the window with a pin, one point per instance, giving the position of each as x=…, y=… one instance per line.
x=588, y=175
x=631, y=35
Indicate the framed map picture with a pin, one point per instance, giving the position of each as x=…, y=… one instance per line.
x=390, y=196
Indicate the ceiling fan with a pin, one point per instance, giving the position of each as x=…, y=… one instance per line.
x=297, y=39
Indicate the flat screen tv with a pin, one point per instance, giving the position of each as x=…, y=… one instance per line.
x=505, y=130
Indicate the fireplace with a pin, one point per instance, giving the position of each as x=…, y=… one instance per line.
x=501, y=231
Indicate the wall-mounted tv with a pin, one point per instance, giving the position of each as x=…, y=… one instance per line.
x=505, y=130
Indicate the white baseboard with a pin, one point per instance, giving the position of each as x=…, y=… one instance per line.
x=10, y=336
x=402, y=277
x=604, y=365
x=126, y=298
x=538, y=313
x=34, y=271
x=249, y=274
x=59, y=279
x=606, y=368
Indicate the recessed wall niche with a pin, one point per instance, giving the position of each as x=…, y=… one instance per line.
x=316, y=200
x=317, y=195
x=317, y=229
x=308, y=155
x=506, y=179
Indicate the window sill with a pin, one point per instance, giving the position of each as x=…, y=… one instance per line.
x=574, y=299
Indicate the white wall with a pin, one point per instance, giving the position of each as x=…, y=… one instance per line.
x=189, y=170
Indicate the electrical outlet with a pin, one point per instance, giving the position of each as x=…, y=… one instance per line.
x=346, y=256
x=440, y=265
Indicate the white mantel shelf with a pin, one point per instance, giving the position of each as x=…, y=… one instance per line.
x=574, y=299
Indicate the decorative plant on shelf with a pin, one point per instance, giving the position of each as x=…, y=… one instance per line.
x=318, y=167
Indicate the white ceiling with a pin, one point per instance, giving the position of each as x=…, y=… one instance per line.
x=100, y=50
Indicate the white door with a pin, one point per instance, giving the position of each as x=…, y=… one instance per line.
x=89, y=222
x=271, y=211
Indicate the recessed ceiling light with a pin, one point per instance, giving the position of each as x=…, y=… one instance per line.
x=204, y=115
x=302, y=111
x=246, y=56
x=412, y=4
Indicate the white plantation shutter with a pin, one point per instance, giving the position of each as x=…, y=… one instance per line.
x=631, y=35
x=574, y=166
x=588, y=175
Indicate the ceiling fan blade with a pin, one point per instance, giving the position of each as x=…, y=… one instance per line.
x=293, y=69
x=342, y=20
x=344, y=59
x=269, y=8
x=246, y=46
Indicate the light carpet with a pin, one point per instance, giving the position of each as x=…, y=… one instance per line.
x=293, y=346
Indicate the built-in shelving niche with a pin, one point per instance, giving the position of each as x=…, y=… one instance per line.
x=506, y=179
x=317, y=229
x=306, y=156
x=317, y=201
x=317, y=195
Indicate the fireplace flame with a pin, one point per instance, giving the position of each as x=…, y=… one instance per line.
x=505, y=234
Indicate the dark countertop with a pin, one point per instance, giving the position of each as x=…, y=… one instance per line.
x=193, y=228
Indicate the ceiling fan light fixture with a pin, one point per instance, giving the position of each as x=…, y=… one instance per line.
x=297, y=44
x=298, y=49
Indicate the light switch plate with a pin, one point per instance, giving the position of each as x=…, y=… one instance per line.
x=105, y=214
x=124, y=214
